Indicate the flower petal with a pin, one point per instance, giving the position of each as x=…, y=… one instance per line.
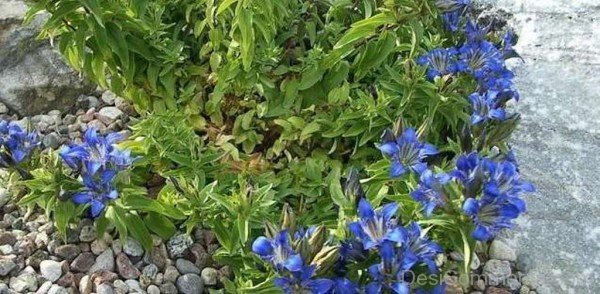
x=262, y=246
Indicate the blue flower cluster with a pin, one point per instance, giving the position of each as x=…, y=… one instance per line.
x=479, y=58
x=376, y=232
x=97, y=161
x=15, y=144
x=492, y=190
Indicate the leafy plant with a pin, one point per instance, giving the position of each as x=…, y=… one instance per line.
x=252, y=107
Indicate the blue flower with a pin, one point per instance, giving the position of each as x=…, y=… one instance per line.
x=452, y=20
x=302, y=280
x=99, y=190
x=420, y=246
x=278, y=251
x=485, y=107
x=406, y=151
x=344, y=286
x=430, y=191
x=492, y=190
x=491, y=214
x=504, y=180
x=439, y=62
x=375, y=227
x=470, y=171
x=480, y=59
x=389, y=273
x=452, y=11
x=96, y=152
x=476, y=33
x=351, y=250
x=16, y=144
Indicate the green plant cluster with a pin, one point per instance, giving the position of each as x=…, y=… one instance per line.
x=251, y=107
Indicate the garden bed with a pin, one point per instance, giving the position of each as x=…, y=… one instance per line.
x=295, y=146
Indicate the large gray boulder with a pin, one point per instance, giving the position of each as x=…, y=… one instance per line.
x=33, y=76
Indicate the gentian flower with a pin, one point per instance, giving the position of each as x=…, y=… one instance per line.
x=476, y=33
x=302, y=280
x=406, y=151
x=439, y=62
x=344, y=286
x=98, y=191
x=97, y=161
x=96, y=152
x=505, y=180
x=470, y=172
x=351, y=250
x=16, y=144
x=375, y=227
x=278, y=252
x=480, y=59
x=420, y=246
x=389, y=274
x=452, y=11
x=452, y=20
x=491, y=214
x=430, y=191
x=507, y=45
x=485, y=108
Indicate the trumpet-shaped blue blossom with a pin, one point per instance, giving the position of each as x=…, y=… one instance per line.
x=440, y=62
x=302, y=281
x=476, y=33
x=470, y=172
x=377, y=226
x=422, y=247
x=99, y=190
x=491, y=214
x=480, y=59
x=16, y=144
x=97, y=161
x=504, y=180
x=452, y=10
x=430, y=191
x=344, y=286
x=389, y=274
x=492, y=190
x=406, y=152
x=485, y=107
x=96, y=152
x=278, y=251
x=350, y=251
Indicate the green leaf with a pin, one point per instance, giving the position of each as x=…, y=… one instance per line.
x=138, y=230
x=224, y=5
x=245, y=19
x=145, y=204
x=160, y=225
x=309, y=129
x=364, y=28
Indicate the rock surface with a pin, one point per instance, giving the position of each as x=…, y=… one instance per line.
x=33, y=76
x=558, y=241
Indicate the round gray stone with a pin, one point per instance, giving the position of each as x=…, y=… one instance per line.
x=190, y=284
x=185, y=266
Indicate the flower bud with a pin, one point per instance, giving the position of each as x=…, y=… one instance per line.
x=289, y=218
x=326, y=258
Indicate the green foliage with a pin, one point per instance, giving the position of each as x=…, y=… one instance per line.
x=251, y=106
